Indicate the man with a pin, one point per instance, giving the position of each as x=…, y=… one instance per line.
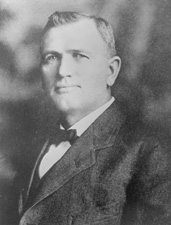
x=110, y=172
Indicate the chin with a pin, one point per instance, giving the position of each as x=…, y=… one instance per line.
x=64, y=106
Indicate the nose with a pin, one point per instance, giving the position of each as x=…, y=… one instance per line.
x=65, y=67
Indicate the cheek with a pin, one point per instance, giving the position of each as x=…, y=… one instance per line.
x=95, y=78
x=48, y=77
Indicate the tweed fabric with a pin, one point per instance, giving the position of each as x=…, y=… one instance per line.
x=114, y=174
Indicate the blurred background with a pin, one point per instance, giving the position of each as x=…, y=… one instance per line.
x=143, y=41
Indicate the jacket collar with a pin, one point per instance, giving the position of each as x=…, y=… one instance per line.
x=101, y=134
x=107, y=126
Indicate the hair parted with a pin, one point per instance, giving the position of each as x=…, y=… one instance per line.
x=66, y=17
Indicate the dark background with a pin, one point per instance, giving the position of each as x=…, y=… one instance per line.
x=143, y=39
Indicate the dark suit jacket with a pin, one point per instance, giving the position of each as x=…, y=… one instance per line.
x=114, y=174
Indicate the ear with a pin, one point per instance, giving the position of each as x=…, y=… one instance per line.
x=114, y=68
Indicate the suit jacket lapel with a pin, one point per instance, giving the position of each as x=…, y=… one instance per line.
x=33, y=179
x=80, y=156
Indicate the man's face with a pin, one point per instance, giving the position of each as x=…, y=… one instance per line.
x=75, y=67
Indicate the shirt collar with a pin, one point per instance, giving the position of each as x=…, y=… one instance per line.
x=86, y=121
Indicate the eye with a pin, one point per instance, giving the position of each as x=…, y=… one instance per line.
x=49, y=58
x=79, y=56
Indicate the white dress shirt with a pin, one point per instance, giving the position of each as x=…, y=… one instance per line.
x=56, y=152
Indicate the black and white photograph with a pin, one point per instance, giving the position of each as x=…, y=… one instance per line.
x=85, y=112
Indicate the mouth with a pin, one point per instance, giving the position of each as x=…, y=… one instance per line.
x=65, y=89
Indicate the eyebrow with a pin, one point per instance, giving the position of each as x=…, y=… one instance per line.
x=58, y=54
x=50, y=52
x=79, y=51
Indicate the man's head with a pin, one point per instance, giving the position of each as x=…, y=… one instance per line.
x=79, y=63
x=104, y=28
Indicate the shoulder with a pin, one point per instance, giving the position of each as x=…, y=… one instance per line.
x=152, y=149
x=153, y=162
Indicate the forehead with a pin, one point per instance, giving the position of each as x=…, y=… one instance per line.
x=76, y=35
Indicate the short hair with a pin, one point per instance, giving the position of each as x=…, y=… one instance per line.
x=66, y=17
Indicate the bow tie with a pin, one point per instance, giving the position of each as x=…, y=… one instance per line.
x=65, y=135
x=69, y=135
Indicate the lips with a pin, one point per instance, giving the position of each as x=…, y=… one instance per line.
x=65, y=88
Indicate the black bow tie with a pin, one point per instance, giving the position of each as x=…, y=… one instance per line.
x=69, y=135
x=64, y=135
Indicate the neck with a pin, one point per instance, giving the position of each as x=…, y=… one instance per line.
x=68, y=119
